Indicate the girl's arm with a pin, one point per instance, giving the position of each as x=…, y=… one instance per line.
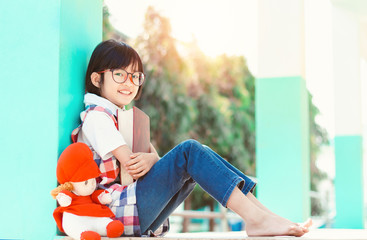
x=136, y=164
x=140, y=163
x=122, y=154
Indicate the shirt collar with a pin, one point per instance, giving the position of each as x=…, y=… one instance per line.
x=93, y=99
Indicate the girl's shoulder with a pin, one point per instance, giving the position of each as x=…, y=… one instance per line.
x=97, y=114
x=97, y=118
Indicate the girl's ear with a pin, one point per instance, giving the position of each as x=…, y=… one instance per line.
x=96, y=79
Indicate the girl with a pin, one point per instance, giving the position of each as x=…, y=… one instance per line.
x=114, y=78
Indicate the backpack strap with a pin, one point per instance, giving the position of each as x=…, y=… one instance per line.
x=75, y=132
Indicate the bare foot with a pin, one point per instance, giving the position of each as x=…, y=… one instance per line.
x=273, y=225
x=306, y=225
x=260, y=221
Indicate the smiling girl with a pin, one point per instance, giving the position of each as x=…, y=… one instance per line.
x=114, y=78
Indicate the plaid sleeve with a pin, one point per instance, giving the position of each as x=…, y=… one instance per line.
x=109, y=168
x=123, y=195
x=124, y=207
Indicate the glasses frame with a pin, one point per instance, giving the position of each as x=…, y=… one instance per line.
x=127, y=76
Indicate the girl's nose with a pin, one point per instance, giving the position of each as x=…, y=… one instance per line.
x=129, y=80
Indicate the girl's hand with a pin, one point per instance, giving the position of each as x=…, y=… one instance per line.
x=140, y=163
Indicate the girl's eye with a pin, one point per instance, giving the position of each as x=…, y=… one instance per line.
x=118, y=74
x=86, y=182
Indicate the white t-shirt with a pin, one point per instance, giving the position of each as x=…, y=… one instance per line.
x=98, y=130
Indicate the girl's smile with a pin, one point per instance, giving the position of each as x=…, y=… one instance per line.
x=125, y=91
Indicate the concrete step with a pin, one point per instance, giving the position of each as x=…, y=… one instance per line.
x=314, y=234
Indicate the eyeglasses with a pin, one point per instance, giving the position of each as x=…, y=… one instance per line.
x=120, y=76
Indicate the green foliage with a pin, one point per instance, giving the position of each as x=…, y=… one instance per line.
x=318, y=137
x=210, y=100
x=164, y=99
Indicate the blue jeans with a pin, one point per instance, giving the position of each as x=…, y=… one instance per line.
x=175, y=175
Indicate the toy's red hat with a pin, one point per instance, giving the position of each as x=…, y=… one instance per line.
x=76, y=164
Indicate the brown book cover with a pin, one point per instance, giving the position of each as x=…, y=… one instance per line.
x=134, y=125
x=141, y=131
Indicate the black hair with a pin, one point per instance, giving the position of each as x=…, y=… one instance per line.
x=111, y=54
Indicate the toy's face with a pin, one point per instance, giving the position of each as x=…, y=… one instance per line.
x=84, y=188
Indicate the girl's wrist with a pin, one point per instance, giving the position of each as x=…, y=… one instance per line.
x=155, y=157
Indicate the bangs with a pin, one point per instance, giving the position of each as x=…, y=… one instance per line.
x=123, y=56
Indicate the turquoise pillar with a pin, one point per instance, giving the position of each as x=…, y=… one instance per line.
x=282, y=120
x=348, y=119
x=349, y=182
x=282, y=146
x=44, y=50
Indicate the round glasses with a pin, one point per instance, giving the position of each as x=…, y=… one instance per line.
x=120, y=76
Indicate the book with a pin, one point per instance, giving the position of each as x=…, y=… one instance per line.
x=134, y=126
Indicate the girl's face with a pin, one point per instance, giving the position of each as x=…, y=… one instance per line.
x=119, y=94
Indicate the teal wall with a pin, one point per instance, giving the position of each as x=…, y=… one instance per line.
x=282, y=146
x=81, y=31
x=349, y=182
x=44, y=47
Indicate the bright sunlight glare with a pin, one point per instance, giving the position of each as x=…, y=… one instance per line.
x=218, y=27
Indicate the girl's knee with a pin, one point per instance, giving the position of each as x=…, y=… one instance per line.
x=190, y=144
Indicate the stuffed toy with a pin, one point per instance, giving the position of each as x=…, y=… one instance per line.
x=82, y=213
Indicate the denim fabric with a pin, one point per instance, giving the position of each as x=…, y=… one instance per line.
x=175, y=175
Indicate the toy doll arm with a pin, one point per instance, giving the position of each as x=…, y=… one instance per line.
x=64, y=198
x=101, y=197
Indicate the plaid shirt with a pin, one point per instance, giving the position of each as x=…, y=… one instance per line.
x=123, y=203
